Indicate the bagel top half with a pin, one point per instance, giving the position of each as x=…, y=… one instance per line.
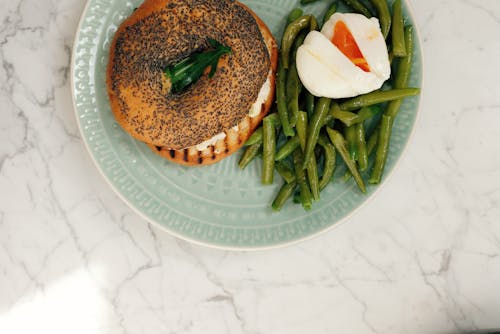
x=161, y=33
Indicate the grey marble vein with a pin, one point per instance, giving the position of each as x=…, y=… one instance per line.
x=423, y=256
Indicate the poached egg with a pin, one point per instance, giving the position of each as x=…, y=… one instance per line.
x=347, y=58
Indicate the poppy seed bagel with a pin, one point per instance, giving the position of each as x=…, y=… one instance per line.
x=163, y=32
x=235, y=137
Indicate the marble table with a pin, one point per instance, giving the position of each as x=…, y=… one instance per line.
x=422, y=257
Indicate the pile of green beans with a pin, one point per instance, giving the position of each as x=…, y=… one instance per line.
x=302, y=138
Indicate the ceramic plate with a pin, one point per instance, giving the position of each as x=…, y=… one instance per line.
x=218, y=205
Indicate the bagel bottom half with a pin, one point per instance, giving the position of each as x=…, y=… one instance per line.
x=234, y=137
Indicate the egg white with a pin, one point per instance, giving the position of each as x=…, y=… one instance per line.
x=369, y=38
x=326, y=72
x=318, y=77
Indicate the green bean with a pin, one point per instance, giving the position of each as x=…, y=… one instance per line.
x=312, y=26
x=330, y=162
x=312, y=167
x=293, y=83
x=306, y=2
x=350, y=137
x=313, y=178
x=340, y=145
x=350, y=118
x=372, y=142
x=330, y=11
x=255, y=138
x=314, y=23
x=291, y=32
x=317, y=121
x=281, y=101
x=361, y=145
x=275, y=119
x=250, y=153
x=293, y=91
x=302, y=130
x=334, y=108
x=294, y=14
x=404, y=67
x=370, y=147
x=309, y=104
x=382, y=149
x=286, y=173
x=288, y=148
x=402, y=74
x=378, y=97
x=401, y=81
x=384, y=15
x=284, y=194
x=367, y=113
x=329, y=121
x=268, y=151
x=305, y=192
x=398, y=30
x=346, y=117
x=358, y=7
x=297, y=43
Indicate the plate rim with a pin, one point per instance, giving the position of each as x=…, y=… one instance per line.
x=278, y=245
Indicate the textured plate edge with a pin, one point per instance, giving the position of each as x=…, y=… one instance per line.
x=325, y=230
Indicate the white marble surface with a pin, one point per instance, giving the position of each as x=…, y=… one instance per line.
x=422, y=257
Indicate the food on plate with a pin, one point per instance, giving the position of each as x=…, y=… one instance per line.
x=336, y=100
x=384, y=15
x=398, y=30
x=192, y=79
x=347, y=58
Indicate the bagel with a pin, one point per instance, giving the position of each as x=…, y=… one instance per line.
x=210, y=119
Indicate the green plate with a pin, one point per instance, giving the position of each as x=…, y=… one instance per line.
x=218, y=205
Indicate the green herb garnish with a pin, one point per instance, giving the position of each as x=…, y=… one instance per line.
x=190, y=69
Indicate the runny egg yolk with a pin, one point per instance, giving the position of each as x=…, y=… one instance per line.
x=345, y=42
